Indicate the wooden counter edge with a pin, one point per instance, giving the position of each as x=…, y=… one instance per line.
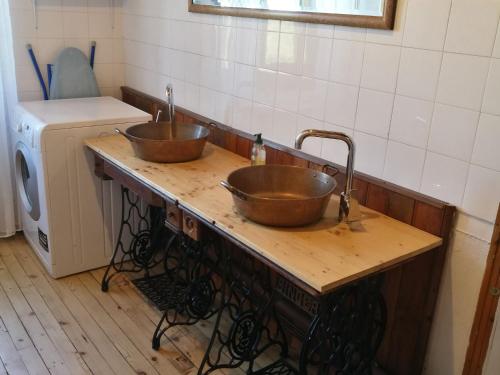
x=223, y=230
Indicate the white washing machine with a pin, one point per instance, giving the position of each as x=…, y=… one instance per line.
x=69, y=216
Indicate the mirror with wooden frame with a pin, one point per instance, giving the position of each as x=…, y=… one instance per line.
x=377, y=14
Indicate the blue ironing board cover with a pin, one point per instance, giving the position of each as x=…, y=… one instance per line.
x=72, y=76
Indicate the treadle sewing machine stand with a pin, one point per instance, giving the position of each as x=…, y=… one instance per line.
x=317, y=301
x=140, y=238
x=200, y=279
x=185, y=291
x=345, y=330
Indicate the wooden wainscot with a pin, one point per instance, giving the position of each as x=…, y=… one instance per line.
x=411, y=283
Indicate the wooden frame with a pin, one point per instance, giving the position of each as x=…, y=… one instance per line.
x=486, y=308
x=386, y=21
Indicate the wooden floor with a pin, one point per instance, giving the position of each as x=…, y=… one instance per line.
x=68, y=326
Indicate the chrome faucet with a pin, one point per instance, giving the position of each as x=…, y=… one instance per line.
x=169, y=92
x=349, y=207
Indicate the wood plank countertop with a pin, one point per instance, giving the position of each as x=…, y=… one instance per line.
x=324, y=256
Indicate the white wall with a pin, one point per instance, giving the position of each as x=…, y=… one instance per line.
x=423, y=118
x=456, y=304
x=422, y=102
x=67, y=23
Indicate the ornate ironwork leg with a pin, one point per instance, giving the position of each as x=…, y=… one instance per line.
x=347, y=331
x=248, y=303
x=141, y=237
x=277, y=339
x=190, y=291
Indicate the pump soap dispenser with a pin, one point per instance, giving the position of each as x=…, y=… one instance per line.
x=258, y=151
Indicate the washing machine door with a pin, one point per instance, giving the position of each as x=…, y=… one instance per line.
x=27, y=181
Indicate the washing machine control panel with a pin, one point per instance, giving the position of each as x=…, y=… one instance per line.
x=25, y=127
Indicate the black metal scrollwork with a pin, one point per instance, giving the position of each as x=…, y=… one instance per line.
x=201, y=297
x=190, y=269
x=347, y=331
x=141, y=240
x=207, y=279
x=243, y=335
x=248, y=306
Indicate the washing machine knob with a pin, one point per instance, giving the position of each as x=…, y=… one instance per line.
x=19, y=127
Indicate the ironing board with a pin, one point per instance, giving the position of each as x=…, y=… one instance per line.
x=72, y=76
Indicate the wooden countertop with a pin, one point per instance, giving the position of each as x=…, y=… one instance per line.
x=324, y=255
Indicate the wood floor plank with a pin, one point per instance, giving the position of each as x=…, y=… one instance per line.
x=107, y=321
x=69, y=324
x=125, y=295
x=108, y=333
x=64, y=346
x=133, y=303
x=11, y=320
x=134, y=313
x=191, y=340
x=33, y=361
x=93, y=332
x=162, y=361
x=10, y=360
x=166, y=359
x=37, y=333
x=131, y=298
x=20, y=338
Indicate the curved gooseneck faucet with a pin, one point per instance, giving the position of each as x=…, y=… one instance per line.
x=349, y=209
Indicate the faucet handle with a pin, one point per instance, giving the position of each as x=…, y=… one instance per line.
x=169, y=93
x=343, y=206
x=157, y=117
x=329, y=170
x=354, y=211
x=349, y=207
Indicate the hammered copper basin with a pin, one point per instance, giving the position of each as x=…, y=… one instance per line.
x=280, y=195
x=165, y=143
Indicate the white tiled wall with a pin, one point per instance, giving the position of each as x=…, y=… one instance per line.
x=67, y=23
x=422, y=103
x=414, y=97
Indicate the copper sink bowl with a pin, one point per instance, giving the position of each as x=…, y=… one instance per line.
x=280, y=195
x=163, y=142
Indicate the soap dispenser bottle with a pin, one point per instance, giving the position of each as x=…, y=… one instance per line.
x=258, y=156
